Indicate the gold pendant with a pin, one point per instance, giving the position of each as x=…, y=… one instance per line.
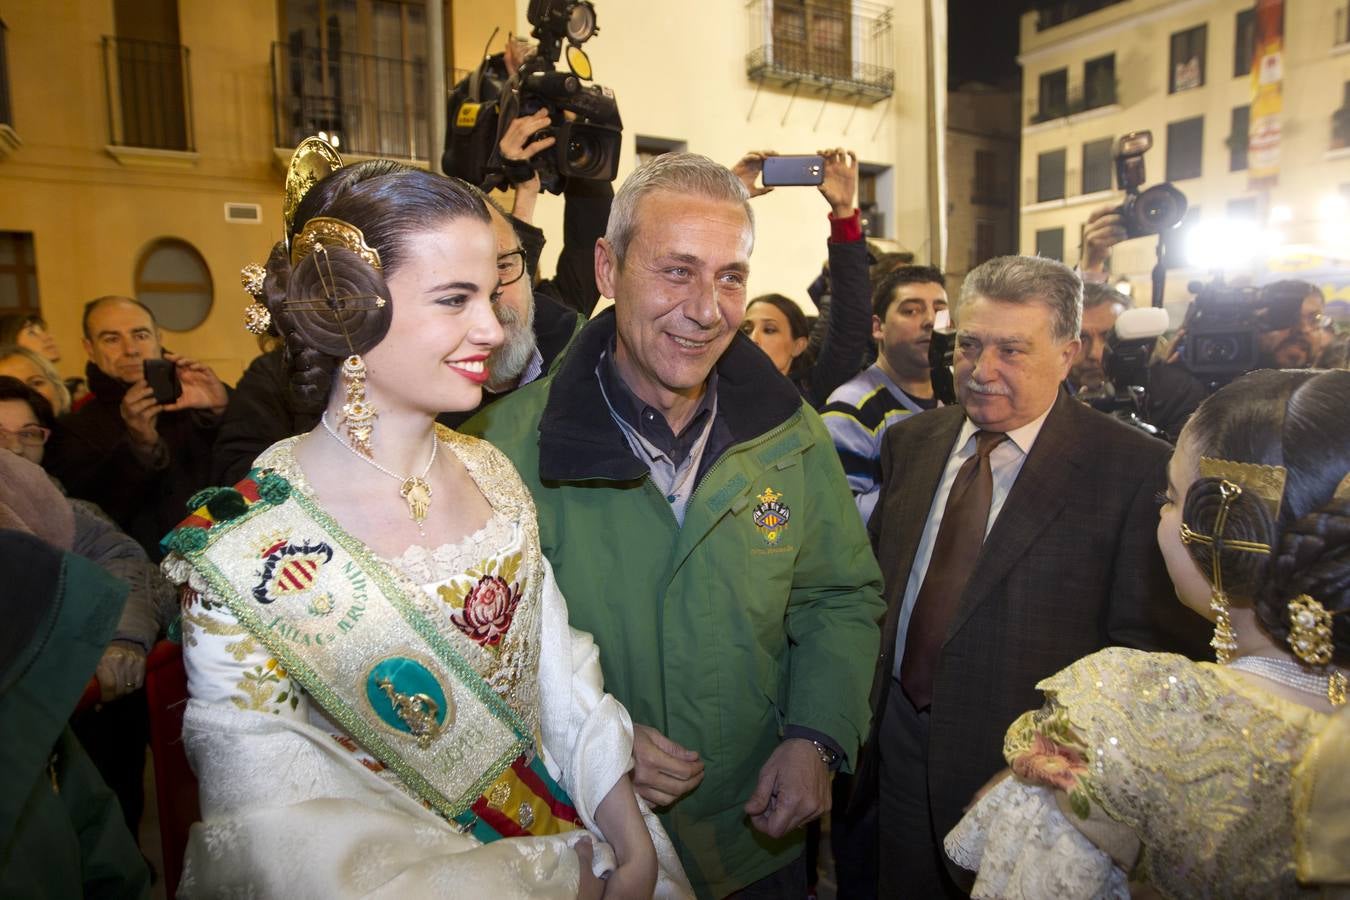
x=418, y=494
x=1336, y=689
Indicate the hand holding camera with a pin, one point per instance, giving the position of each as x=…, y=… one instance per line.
x=840, y=183
x=749, y=169
x=1104, y=229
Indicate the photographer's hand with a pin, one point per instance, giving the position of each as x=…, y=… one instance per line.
x=1104, y=229
x=749, y=168
x=841, y=181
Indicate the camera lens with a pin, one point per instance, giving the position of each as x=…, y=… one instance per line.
x=1218, y=350
x=585, y=156
x=1159, y=208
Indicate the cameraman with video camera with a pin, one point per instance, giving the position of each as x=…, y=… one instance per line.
x=1228, y=331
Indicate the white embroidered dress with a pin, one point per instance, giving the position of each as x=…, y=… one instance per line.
x=293, y=806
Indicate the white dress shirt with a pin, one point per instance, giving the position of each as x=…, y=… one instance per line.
x=1006, y=462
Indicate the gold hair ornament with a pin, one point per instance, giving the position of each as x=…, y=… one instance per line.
x=1224, y=641
x=332, y=233
x=1266, y=483
x=1310, y=630
x=257, y=317
x=313, y=161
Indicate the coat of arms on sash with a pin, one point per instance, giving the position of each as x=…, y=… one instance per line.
x=771, y=516
x=290, y=571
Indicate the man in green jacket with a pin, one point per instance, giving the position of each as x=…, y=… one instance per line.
x=699, y=524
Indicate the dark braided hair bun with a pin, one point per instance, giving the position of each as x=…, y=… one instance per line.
x=1298, y=420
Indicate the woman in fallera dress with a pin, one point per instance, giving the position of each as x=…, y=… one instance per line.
x=1149, y=773
x=386, y=697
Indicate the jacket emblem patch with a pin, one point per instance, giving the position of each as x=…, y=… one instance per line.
x=771, y=516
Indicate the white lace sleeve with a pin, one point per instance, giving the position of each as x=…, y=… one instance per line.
x=228, y=665
x=1021, y=847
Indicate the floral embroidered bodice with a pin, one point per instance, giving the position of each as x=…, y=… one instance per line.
x=1194, y=759
x=481, y=592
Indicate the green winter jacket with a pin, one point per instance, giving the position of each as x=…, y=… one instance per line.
x=61, y=830
x=721, y=633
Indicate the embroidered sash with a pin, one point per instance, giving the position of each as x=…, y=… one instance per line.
x=337, y=619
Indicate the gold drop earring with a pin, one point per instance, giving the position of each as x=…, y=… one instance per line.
x=358, y=414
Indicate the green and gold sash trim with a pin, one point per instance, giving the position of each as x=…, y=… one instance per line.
x=339, y=621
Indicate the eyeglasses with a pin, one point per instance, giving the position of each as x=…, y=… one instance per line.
x=29, y=436
x=510, y=267
x=1314, y=321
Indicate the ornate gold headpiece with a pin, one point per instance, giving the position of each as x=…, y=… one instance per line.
x=332, y=233
x=313, y=161
x=1266, y=483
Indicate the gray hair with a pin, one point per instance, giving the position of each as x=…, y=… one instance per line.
x=1028, y=279
x=1095, y=295
x=681, y=173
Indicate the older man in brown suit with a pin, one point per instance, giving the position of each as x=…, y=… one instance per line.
x=1015, y=533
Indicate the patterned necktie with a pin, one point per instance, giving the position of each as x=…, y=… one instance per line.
x=959, y=539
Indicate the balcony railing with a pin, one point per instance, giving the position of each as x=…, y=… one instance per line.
x=374, y=105
x=149, y=94
x=844, y=48
x=6, y=112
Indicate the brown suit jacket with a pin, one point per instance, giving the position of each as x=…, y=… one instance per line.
x=1071, y=565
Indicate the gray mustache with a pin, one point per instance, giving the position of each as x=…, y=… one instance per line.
x=996, y=390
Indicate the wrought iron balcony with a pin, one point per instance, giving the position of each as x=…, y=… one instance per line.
x=836, y=47
x=149, y=87
x=372, y=105
x=1057, y=12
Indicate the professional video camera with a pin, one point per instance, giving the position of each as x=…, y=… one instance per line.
x=587, y=142
x=1223, y=328
x=584, y=119
x=1126, y=362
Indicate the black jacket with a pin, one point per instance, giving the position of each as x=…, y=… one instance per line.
x=90, y=453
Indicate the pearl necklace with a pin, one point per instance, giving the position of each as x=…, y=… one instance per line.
x=414, y=489
x=1291, y=674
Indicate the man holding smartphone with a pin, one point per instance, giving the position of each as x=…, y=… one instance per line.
x=140, y=445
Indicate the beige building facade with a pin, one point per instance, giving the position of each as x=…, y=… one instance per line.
x=143, y=142
x=983, y=141
x=1095, y=70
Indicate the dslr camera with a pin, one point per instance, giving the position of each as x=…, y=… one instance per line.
x=1155, y=210
x=589, y=139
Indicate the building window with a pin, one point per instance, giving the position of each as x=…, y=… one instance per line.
x=1099, y=81
x=1340, y=121
x=649, y=148
x=1097, y=159
x=813, y=37
x=1238, y=139
x=875, y=193
x=1050, y=243
x=356, y=71
x=1188, y=60
x=149, y=77
x=18, y=274
x=985, y=242
x=1054, y=95
x=986, y=188
x=1050, y=176
x=173, y=280
x=1185, y=147
x=1244, y=42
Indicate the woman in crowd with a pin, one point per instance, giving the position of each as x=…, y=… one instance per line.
x=31, y=333
x=1197, y=779
x=36, y=372
x=386, y=695
x=778, y=326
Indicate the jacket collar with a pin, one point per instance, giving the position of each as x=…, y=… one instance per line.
x=103, y=386
x=578, y=439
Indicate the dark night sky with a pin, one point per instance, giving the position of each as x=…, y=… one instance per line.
x=982, y=40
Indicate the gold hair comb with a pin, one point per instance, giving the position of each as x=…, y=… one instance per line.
x=1266, y=483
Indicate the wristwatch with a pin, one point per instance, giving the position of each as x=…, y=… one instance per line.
x=829, y=757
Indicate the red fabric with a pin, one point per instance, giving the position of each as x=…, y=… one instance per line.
x=843, y=231
x=175, y=785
